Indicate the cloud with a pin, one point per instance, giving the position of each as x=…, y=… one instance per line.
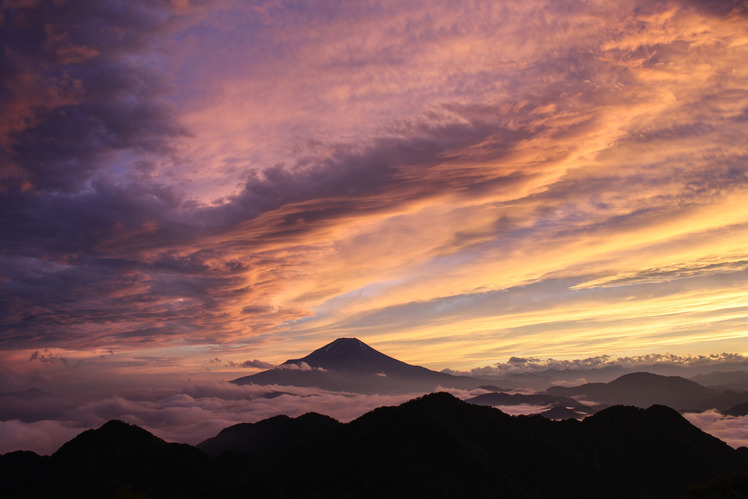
x=43, y=437
x=522, y=409
x=720, y=8
x=637, y=362
x=729, y=429
x=189, y=414
x=253, y=364
x=78, y=92
x=534, y=179
x=300, y=366
x=47, y=357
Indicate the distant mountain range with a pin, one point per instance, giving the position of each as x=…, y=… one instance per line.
x=433, y=446
x=737, y=410
x=558, y=407
x=350, y=365
x=724, y=380
x=645, y=389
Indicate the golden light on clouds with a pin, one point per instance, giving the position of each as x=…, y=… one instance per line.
x=452, y=183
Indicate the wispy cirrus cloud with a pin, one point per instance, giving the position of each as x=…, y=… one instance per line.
x=479, y=181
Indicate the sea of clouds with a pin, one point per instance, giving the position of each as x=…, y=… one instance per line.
x=194, y=412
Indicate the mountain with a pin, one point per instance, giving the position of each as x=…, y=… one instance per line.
x=275, y=432
x=349, y=364
x=737, y=410
x=645, y=389
x=729, y=380
x=117, y=459
x=440, y=446
x=433, y=446
x=560, y=407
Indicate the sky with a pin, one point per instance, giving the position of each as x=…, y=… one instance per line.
x=192, y=191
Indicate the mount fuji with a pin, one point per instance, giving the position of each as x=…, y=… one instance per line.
x=350, y=365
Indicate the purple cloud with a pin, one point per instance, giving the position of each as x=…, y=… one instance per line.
x=252, y=364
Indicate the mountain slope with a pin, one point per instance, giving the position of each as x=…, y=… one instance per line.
x=348, y=364
x=737, y=410
x=433, y=446
x=440, y=446
x=351, y=355
x=119, y=459
x=646, y=389
x=730, y=380
x=275, y=432
x=122, y=453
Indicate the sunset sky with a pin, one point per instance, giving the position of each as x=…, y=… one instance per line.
x=187, y=186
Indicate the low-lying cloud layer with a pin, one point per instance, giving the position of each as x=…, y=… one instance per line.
x=730, y=429
x=187, y=414
x=194, y=412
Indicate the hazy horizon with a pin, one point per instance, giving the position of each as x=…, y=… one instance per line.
x=192, y=408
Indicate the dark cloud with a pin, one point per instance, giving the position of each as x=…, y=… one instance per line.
x=13, y=381
x=46, y=357
x=134, y=251
x=361, y=179
x=79, y=94
x=719, y=8
x=82, y=248
x=96, y=251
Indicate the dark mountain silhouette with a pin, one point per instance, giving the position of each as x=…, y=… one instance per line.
x=541, y=379
x=348, y=364
x=645, y=389
x=732, y=486
x=440, y=446
x=117, y=459
x=433, y=446
x=278, y=431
